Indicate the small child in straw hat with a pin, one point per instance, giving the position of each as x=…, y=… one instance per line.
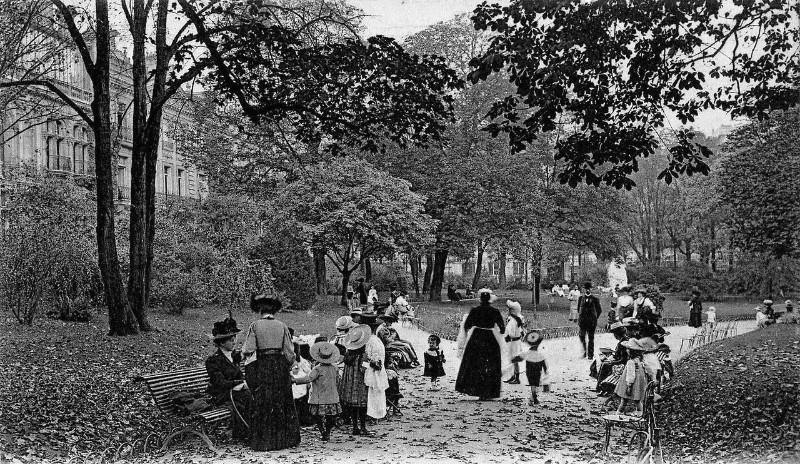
x=535, y=364
x=323, y=401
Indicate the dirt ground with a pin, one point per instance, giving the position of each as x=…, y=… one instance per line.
x=446, y=427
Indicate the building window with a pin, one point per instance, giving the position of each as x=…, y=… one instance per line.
x=519, y=268
x=181, y=192
x=77, y=159
x=468, y=268
x=494, y=267
x=166, y=180
x=51, y=150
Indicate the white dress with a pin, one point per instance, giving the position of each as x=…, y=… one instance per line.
x=376, y=381
x=512, y=347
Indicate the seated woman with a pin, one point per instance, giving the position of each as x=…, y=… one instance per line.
x=611, y=367
x=226, y=381
x=452, y=294
x=401, y=351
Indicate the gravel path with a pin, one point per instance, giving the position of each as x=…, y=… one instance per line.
x=446, y=427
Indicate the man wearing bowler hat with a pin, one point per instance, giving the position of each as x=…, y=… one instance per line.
x=588, y=312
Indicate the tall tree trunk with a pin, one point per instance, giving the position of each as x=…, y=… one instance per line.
x=476, y=279
x=137, y=233
x=320, y=270
x=688, y=252
x=368, y=270
x=501, y=273
x=121, y=319
x=713, y=255
x=414, y=262
x=437, y=279
x=345, y=280
x=426, y=282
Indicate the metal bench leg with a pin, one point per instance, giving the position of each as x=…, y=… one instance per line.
x=193, y=431
x=607, y=438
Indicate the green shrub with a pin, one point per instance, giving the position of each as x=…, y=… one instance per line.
x=290, y=263
x=47, y=249
x=386, y=275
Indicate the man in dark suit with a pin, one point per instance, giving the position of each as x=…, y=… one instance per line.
x=226, y=379
x=588, y=312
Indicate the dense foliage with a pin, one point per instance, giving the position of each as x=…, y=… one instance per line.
x=613, y=70
x=758, y=180
x=47, y=255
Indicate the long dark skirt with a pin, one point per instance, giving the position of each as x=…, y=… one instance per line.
x=695, y=318
x=480, y=371
x=243, y=401
x=273, y=421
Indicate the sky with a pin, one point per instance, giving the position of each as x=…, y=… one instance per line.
x=401, y=18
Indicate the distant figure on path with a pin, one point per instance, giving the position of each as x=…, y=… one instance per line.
x=695, y=310
x=588, y=312
x=361, y=289
x=573, y=296
x=624, y=303
x=515, y=328
x=535, y=364
x=480, y=371
x=452, y=294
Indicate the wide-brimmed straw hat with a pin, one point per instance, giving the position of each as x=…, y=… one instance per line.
x=357, y=337
x=514, y=305
x=617, y=326
x=647, y=344
x=632, y=344
x=387, y=318
x=344, y=323
x=533, y=337
x=325, y=353
x=767, y=301
x=492, y=296
x=356, y=310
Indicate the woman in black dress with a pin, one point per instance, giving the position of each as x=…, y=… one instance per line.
x=695, y=310
x=273, y=421
x=480, y=371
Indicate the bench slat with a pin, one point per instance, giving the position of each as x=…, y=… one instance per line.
x=160, y=376
x=184, y=384
x=177, y=378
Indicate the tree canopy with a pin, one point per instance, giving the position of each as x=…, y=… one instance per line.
x=758, y=181
x=614, y=70
x=355, y=211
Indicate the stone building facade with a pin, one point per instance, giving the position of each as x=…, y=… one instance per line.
x=51, y=136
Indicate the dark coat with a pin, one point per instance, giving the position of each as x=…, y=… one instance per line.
x=361, y=289
x=588, y=312
x=223, y=375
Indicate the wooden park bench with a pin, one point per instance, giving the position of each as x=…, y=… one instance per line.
x=646, y=430
x=163, y=385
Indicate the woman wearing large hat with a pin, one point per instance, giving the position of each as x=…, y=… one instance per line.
x=226, y=381
x=274, y=423
x=695, y=309
x=610, y=368
x=481, y=366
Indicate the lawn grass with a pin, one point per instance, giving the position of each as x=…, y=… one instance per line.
x=736, y=400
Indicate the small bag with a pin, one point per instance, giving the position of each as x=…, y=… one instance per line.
x=186, y=403
x=545, y=381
